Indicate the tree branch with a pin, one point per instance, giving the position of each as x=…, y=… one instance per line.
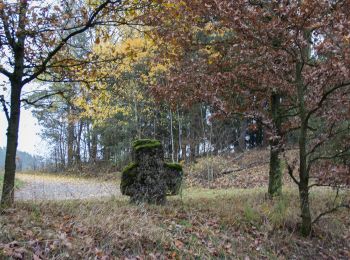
x=5, y=72
x=290, y=172
x=324, y=97
x=89, y=24
x=342, y=205
x=28, y=102
x=2, y=100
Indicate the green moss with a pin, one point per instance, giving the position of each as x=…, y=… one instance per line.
x=128, y=177
x=174, y=166
x=145, y=144
x=129, y=168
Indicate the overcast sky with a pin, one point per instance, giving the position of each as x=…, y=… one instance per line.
x=29, y=140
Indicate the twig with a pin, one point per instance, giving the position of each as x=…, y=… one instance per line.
x=332, y=209
x=290, y=172
x=28, y=102
x=2, y=100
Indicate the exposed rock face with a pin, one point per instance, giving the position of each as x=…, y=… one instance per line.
x=149, y=179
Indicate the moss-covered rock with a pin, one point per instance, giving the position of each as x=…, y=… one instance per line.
x=128, y=168
x=149, y=179
x=174, y=166
x=174, y=174
x=129, y=175
x=146, y=144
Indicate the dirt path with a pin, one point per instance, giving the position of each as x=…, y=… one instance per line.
x=39, y=187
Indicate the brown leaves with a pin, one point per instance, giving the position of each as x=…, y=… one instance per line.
x=198, y=228
x=248, y=171
x=14, y=250
x=179, y=244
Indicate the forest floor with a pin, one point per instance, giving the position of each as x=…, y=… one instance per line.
x=225, y=216
x=245, y=170
x=200, y=224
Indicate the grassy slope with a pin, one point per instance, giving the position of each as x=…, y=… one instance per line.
x=201, y=224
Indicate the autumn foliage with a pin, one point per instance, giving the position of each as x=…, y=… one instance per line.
x=283, y=66
x=235, y=55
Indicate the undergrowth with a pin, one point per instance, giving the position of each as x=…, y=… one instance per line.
x=204, y=224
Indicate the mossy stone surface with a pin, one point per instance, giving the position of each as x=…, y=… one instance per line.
x=129, y=175
x=145, y=144
x=129, y=167
x=149, y=178
x=174, y=166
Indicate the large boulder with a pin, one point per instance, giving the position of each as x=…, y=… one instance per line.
x=149, y=178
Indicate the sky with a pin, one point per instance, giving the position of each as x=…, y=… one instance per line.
x=29, y=139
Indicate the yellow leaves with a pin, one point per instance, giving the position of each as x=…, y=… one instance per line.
x=174, y=5
x=101, y=105
x=127, y=53
x=212, y=54
x=214, y=57
x=209, y=27
x=118, y=81
x=158, y=68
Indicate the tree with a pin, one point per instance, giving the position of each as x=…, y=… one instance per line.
x=35, y=35
x=203, y=43
x=292, y=52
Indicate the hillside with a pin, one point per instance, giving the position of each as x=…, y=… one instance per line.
x=25, y=160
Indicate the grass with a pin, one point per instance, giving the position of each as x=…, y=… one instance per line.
x=201, y=224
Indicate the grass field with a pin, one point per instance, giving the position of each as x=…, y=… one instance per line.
x=200, y=224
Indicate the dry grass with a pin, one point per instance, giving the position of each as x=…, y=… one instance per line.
x=203, y=224
x=247, y=170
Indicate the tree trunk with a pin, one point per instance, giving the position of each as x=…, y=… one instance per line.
x=180, y=154
x=93, y=151
x=56, y=159
x=7, y=198
x=78, y=145
x=172, y=136
x=241, y=140
x=304, y=184
x=306, y=223
x=106, y=153
x=70, y=141
x=275, y=175
x=61, y=147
